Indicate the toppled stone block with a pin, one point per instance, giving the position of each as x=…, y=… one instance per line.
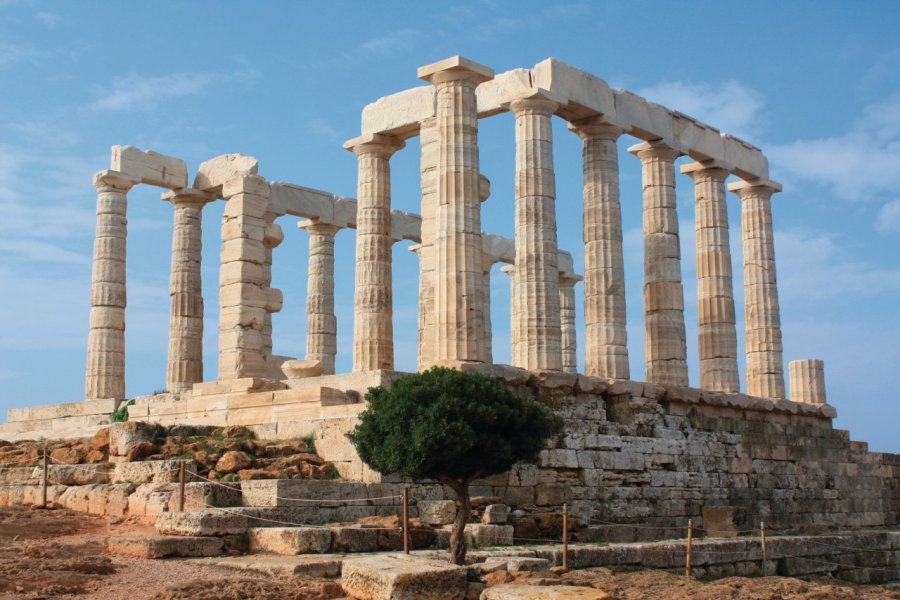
x=214, y=173
x=201, y=523
x=79, y=474
x=495, y=514
x=124, y=436
x=150, y=167
x=437, y=512
x=354, y=539
x=478, y=535
x=290, y=540
x=513, y=591
x=234, y=461
x=300, y=369
x=398, y=577
x=163, y=547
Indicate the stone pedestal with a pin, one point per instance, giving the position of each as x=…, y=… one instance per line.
x=105, y=373
x=537, y=322
x=373, y=331
x=716, y=332
x=245, y=298
x=606, y=340
x=457, y=246
x=807, y=381
x=185, y=361
x=663, y=294
x=321, y=329
x=765, y=367
x=569, y=344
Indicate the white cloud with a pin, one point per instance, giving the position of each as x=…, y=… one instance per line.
x=392, y=44
x=729, y=106
x=136, y=91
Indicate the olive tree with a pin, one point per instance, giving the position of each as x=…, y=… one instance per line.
x=454, y=427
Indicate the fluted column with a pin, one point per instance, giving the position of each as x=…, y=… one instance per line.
x=373, y=331
x=666, y=351
x=716, y=332
x=569, y=344
x=606, y=339
x=273, y=238
x=458, y=307
x=765, y=368
x=105, y=373
x=487, y=351
x=428, y=143
x=185, y=361
x=537, y=264
x=514, y=346
x=807, y=381
x=321, y=328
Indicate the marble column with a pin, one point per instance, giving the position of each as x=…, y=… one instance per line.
x=428, y=142
x=373, y=331
x=245, y=297
x=185, y=361
x=537, y=322
x=487, y=351
x=807, y=381
x=606, y=339
x=514, y=346
x=666, y=351
x=569, y=344
x=321, y=328
x=457, y=250
x=272, y=239
x=765, y=369
x=105, y=373
x=716, y=331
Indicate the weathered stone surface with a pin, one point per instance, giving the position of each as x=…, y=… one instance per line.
x=437, y=512
x=214, y=173
x=290, y=540
x=394, y=577
x=164, y=547
x=515, y=591
x=354, y=539
x=515, y=564
x=495, y=514
x=124, y=436
x=149, y=167
x=100, y=440
x=482, y=536
x=233, y=461
x=152, y=471
x=201, y=523
x=299, y=369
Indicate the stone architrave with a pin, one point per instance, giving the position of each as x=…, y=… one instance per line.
x=373, y=332
x=807, y=381
x=537, y=323
x=273, y=238
x=321, y=330
x=568, y=344
x=457, y=247
x=665, y=342
x=765, y=368
x=716, y=331
x=245, y=299
x=428, y=142
x=606, y=339
x=105, y=373
x=185, y=361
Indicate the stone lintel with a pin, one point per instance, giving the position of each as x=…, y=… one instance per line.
x=115, y=179
x=455, y=67
x=188, y=195
x=739, y=186
x=695, y=167
x=374, y=142
x=149, y=167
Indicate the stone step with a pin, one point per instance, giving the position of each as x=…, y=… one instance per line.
x=402, y=576
x=301, y=492
x=165, y=546
x=290, y=541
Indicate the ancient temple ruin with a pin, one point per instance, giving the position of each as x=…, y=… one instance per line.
x=710, y=444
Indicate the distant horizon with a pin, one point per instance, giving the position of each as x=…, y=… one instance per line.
x=817, y=91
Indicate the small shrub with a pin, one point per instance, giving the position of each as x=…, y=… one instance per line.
x=310, y=441
x=121, y=413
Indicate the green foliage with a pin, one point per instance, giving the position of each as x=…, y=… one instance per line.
x=121, y=413
x=310, y=441
x=447, y=424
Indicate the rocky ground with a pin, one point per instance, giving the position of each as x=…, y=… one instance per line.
x=60, y=554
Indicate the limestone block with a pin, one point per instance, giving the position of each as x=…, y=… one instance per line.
x=516, y=564
x=577, y=87
x=79, y=474
x=150, y=167
x=483, y=536
x=212, y=174
x=354, y=539
x=201, y=523
x=399, y=114
x=495, y=514
x=300, y=369
x=807, y=381
x=437, y=512
x=399, y=577
x=518, y=591
x=164, y=547
x=647, y=120
x=749, y=162
x=697, y=139
x=124, y=436
x=153, y=471
x=290, y=540
x=492, y=95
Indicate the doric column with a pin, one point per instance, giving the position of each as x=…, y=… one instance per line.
x=537, y=268
x=487, y=352
x=273, y=238
x=245, y=298
x=807, y=381
x=514, y=346
x=105, y=373
x=716, y=333
x=606, y=339
x=663, y=295
x=321, y=328
x=185, y=361
x=457, y=226
x=428, y=142
x=569, y=344
x=765, y=369
x=373, y=332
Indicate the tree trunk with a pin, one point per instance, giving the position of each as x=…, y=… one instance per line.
x=463, y=510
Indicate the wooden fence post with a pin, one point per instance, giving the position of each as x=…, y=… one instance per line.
x=181, y=488
x=690, y=547
x=406, y=520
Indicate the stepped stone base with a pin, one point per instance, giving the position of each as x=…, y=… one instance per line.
x=290, y=540
x=164, y=547
x=398, y=577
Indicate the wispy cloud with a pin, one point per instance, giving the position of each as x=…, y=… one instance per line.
x=728, y=106
x=392, y=44
x=137, y=91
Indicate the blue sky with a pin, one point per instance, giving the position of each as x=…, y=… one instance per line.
x=815, y=84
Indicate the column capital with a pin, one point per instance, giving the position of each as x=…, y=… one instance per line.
x=455, y=68
x=654, y=150
x=754, y=187
x=595, y=127
x=313, y=226
x=187, y=196
x=714, y=169
x=374, y=143
x=508, y=269
x=536, y=100
x=569, y=279
x=109, y=181
x=484, y=188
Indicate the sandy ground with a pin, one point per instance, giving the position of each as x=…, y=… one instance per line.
x=61, y=554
